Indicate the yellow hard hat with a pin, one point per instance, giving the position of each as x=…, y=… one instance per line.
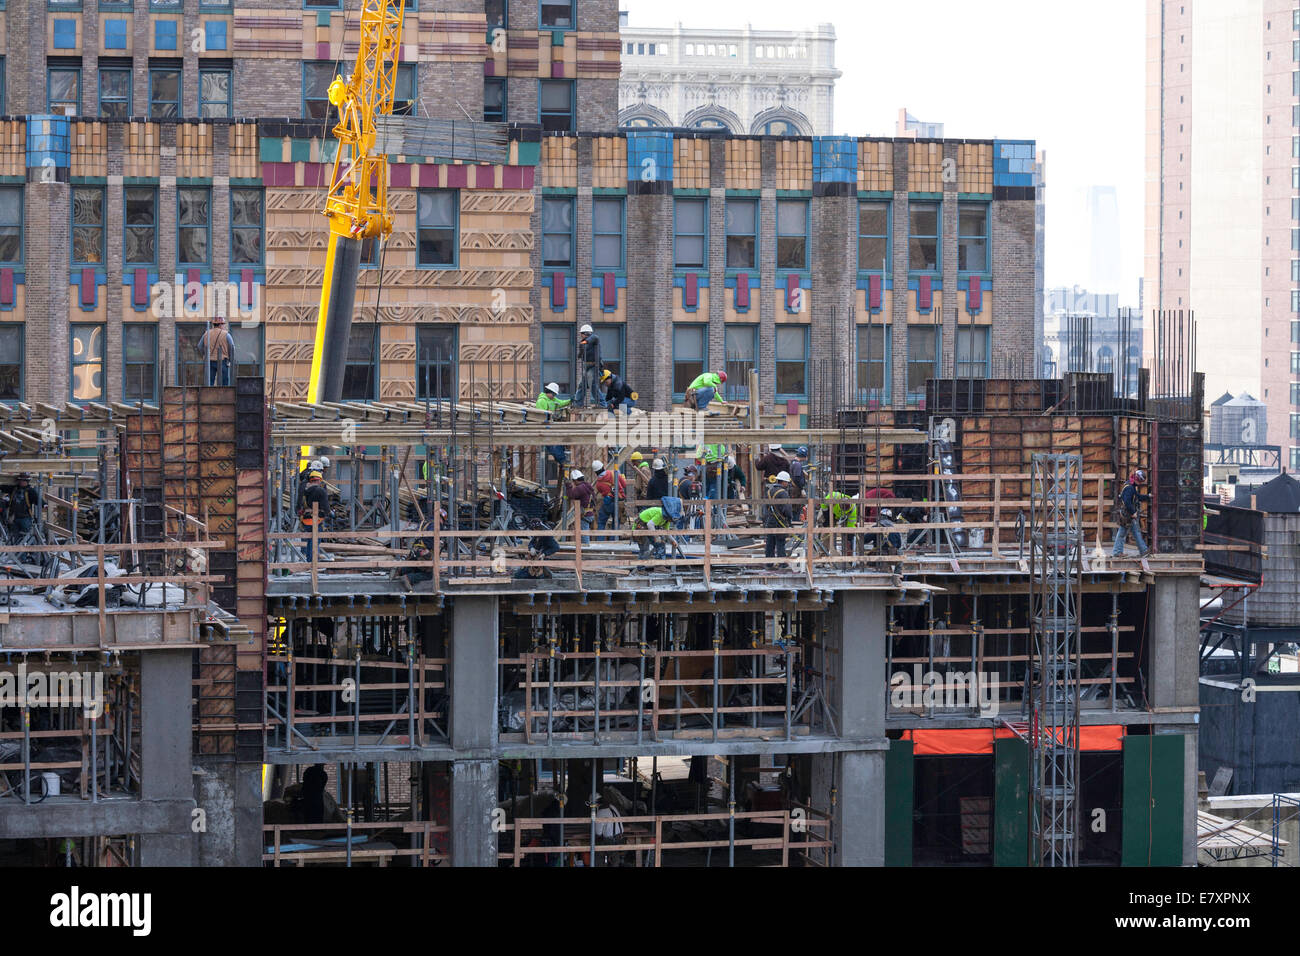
x=637, y=456
x=606, y=374
x=314, y=476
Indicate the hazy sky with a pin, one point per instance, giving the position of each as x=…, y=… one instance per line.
x=1069, y=75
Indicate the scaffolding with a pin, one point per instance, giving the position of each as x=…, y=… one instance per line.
x=1056, y=548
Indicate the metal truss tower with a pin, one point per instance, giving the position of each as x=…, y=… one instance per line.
x=1056, y=548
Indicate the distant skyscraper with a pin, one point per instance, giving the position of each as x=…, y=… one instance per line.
x=1103, y=220
x=910, y=126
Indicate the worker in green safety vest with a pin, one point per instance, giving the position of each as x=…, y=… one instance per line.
x=652, y=518
x=714, y=458
x=704, y=389
x=550, y=401
x=842, y=512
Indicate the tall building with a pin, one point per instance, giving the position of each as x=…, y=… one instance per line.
x=909, y=127
x=764, y=82
x=1223, y=192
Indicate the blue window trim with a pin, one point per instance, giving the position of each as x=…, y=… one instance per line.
x=505, y=20
x=573, y=108
x=544, y=359
x=573, y=236
x=863, y=395
x=128, y=263
x=914, y=397
x=124, y=67
x=306, y=64
x=49, y=76
x=988, y=349
x=988, y=238
x=758, y=235
x=184, y=263
x=375, y=339
x=330, y=5
x=889, y=237
x=2, y=76
x=214, y=6
x=601, y=328
x=452, y=361
x=180, y=90
x=455, y=229
x=261, y=260
x=399, y=104
x=676, y=232
x=103, y=364
x=573, y=15
x=22, y=363
x=938, y=249
x=776, y=359
x=672, y=345
x=102, y=264
x=807, y=229
x=17, y=264
x=741, y=388
x=505, y=98
x=622, y=234
x=230, y=91
x=152, y=327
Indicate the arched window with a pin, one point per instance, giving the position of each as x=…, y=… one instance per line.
x=780, y=127
x=640, y=122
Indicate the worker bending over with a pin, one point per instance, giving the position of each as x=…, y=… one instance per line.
x=652, y=519
x=617, y=392
x=704, y=389
x=841, y=511
x=539, y=549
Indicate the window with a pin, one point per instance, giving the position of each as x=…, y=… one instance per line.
x=1295, y=459
x=741, y=345
x=214, y=93
x=494, y=100
x=972, y=237
x=557, y=15
x=555, y=103
x=922, y=358
x=114, y=91
x=191, y=360
x=612, y=342
x=405, y=90
x=11, y=224
x=1295, y=390
x=246, y=205
x=780, y=127
x=435, y=362
x=742, y=233
x=557, y=357
x=193, y=223
x=11, y=361
x=607, y=235
x=165, y=93
x=690, y=354
x=791, y=361
x=360, y=376
x=88, y=225
x=2, y=85
x=873, y=363
x=923, y=249
x=140, y=362
x=316, y=79
x=1295, y=425
x=792, y=234
x=437, y=227
x=1295, y=363
x=498, y=12
x=65, y=90
x=873, y=237
x=691, y=233
x=557, y=233
x=141, y=213
x=87, y=363
x=973, y=352
x=248, y=349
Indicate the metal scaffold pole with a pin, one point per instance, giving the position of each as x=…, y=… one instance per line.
x=1056, y=542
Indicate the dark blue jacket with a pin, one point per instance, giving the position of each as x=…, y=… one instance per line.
x=1129, y=499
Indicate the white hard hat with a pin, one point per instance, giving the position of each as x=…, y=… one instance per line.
x=575, y=474
x=774, y=447
x=731, y=459
x=783, y=476
x=597, y=466
x=657, y=464
x=324, y=462
x=553, y=388
x=586, y=328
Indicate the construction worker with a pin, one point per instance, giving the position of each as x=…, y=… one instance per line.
x=24, y=504
x=736, y=481
x=841, y=511
x=549, y=401
x=704, y=389
x=1130, y=499
x=691, y=489
x=419, y=553
x=313, y=494
x=798, y=474
x=713, y=458
x=872, y=514
x=779, y=514
x=640, y=484
x=539, y=549
x=651, y=519
x=579, y=491
x=773, y=463
x=316, y=464
x=219, y=346
x=611, y=488
x=617, y=392
x=658, y=486
x=589, y=355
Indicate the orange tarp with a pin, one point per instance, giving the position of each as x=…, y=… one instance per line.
x=980, y=741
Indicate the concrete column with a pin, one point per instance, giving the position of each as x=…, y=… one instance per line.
x=472, y=673
x=856, y=637
x=901, y=295
x=834, y=262
x=649, y=293
x=165, y=766
x=1173, y=635
x=231, y=797
x=473, y=798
